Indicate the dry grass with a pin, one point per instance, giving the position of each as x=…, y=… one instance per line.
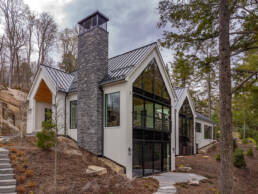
x=29, y=173
x=20, y=153
x=13, y=150
x=13, y=157
x=20, y=169
x=30, y=184
x=20, y=189
x=20, y=179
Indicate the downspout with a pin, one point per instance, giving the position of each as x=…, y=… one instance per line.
x=65, y=129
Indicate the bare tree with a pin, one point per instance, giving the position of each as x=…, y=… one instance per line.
x=13, y=14
x=68, y=41
x=45, y=33
x=2, y=60
x=226, y=150
x=30, y=21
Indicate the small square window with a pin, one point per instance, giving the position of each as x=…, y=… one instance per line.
x=198, y=127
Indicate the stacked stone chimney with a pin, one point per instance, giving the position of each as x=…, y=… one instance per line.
x=92, y=68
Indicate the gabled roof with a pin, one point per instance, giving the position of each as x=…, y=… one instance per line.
x=120, y=66
x=179, y=92
x=61, y=79
x=200, y=116
x=118, y=69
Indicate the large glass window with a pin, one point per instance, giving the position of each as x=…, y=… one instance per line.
x=112, y=109
x=73, y=114
x=149, y=114
x=207, y=132
x=198, y=127
x=151, y=123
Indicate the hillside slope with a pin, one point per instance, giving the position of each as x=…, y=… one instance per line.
x=12, y=111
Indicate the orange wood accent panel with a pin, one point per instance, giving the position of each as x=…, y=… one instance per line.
x=43, y=94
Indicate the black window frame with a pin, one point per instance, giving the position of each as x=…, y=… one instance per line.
x=207, y=127
x=198, y=130
x=105, y=110
x=76, y=122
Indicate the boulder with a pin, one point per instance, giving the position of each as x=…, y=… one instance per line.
x=193, y=182
x=184, y=169
x=115, y=167
x=93, y=170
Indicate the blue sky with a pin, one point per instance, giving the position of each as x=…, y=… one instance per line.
x=132, y=23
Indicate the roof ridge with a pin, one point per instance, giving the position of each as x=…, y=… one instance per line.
x=55, y=68
x=133, y=50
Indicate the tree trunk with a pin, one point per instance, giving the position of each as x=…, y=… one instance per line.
x=209, y=93
x=226, y=147
x=244, y=130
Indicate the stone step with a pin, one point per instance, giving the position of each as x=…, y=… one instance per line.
x=4, y=160
x=6, y=176
x=8, y=189
x=6, y=171
x=7, y=182
x=6, y=165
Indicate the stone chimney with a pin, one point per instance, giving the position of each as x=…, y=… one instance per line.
x=92, y=68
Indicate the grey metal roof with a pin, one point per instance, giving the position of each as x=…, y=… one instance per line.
x=61, y=79
x=118, y=68
x=200, y=116
x=179, y=92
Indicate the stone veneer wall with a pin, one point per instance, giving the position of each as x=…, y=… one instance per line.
x=93, y=66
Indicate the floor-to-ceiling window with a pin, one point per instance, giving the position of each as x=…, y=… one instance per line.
x=186, y=129
x=151, y=123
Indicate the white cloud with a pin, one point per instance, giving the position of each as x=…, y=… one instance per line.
x=132, y=23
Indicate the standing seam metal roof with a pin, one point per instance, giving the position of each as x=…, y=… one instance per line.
x=118, y=68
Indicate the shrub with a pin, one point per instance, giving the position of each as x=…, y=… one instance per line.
x=21, y=179
x=29, y=173
x=250, y=152
x=13, y=150
x=256, y=147
x=20, y=169
x=234, y=144
x=20, y=153
x=217, y=134
x=30, y=184
x=218, y=157
x=46, y=137
x=239, y=159
x=20, y=189
x=245, y=141
x=13, y=157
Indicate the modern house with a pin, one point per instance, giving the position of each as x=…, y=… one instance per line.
x=123, y=108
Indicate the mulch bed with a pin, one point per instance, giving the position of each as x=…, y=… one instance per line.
x=245, y=180
x=71, y=173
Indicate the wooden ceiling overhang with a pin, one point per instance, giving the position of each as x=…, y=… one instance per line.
x=43, y=93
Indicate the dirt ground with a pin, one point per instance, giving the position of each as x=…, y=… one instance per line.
x=245, y=180
x=71, y=172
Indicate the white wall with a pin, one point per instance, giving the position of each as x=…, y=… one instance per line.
x=59, y=106
x=118, y=139
x=200, y=135
x=70, y=132
x=40, y=114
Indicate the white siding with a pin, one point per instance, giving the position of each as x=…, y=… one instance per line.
x=40, y=114
x=200, y=136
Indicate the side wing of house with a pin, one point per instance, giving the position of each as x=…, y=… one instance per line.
x=204, y=131
x=185, y=119
x=44, y=101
